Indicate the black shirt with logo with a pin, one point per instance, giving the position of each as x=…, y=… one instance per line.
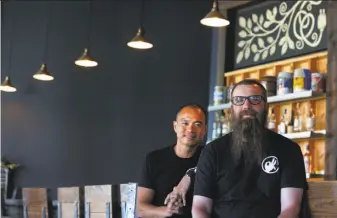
x=163, y=170
x=253, y=193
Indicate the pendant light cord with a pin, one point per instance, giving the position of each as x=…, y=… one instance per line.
x=10, y=46
x=47, y=26
x=141, y=16
x=89, y=22
x=216, y=5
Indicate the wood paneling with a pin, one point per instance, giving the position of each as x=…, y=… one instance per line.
x=331, y=118
x=323, y=199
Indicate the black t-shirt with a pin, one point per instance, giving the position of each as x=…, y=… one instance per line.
x=163, y=170
x=249, y=195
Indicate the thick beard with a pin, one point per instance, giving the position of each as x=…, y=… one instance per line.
x=247, y=137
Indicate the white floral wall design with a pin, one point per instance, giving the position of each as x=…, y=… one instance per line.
x=261, y=34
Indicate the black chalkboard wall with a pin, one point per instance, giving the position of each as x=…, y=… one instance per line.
x=94, y=126
x=266, y=31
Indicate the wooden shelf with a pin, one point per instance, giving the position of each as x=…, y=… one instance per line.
x=308, y=95
x=319, y=179
x=296, y=96
x=219, y=107
x=305, y=135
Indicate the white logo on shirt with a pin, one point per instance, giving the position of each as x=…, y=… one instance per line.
x=270, y=165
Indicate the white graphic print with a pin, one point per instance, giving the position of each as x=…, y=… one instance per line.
x=270, y=165
x=261, y=34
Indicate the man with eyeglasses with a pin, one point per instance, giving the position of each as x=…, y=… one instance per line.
x=251, y=172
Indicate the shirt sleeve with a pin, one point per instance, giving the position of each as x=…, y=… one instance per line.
x=293, y=171
x=206, y=174
x=146, y=177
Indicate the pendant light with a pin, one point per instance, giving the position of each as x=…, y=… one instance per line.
x=85, y=59
x=215, y=18
x=139, y=41
x=43, y=74
x=7, y=85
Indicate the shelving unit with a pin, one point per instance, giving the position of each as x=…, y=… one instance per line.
x=316, y=62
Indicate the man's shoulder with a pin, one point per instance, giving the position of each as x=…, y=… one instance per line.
x=219, y=144
x=159, y=152
x=280, y=141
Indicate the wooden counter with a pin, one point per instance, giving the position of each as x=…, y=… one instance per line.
x=323, y=199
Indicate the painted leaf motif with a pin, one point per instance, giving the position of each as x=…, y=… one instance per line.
x=265, y=54
x=266, y=24
x=256, y=29
x=247, y=53
x=254, y=48
x=291, y=44
x=261, y=19
x=282, y=41
x=272, y=50
x=241, y=43
x=257, y=57
x=254, y=17
x=239, y=57
x=270, y=39
x=242, y=22
x=242, y=34
x=284, y=48
x=260, y=42
x=249, y=23
x=275, y=11
x=269, y=15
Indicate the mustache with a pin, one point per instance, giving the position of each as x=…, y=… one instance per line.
x=248, y=113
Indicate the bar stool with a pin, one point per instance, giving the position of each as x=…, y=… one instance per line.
x=70, y=202
x=36, y=203
x=99, y=200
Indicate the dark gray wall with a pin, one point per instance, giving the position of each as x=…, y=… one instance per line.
x=95, y=126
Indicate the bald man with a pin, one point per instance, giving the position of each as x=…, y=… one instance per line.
x=165, y=168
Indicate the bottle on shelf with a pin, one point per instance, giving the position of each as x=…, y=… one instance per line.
x=286, y=118
x=271, y=124
x=307, y=161
x=214, y=130
x=282, y=126
x=310, y=122
x=216, y=127
x=298, y=119
x=225, y=124
x=290, y=126
x=229, y=90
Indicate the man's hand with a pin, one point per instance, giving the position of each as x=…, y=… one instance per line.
x=177, y=198
x=147, y=210
x=166, y=211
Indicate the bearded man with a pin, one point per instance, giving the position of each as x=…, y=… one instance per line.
x=251, y=172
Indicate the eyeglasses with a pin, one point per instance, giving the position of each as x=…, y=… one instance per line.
x=253, y=99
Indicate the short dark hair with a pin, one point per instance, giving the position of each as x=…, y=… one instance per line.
x=251, y=82
x=193, y=105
